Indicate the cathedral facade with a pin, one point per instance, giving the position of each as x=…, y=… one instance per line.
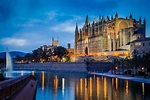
x=108, y=34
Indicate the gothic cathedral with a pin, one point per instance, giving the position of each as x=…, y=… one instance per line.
x=108, y=34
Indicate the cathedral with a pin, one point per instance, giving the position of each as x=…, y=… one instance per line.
x=108, y=35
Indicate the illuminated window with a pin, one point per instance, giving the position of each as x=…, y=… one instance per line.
x=138, y=43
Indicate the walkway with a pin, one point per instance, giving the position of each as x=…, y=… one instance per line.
x=28, y=92
x=137, y=79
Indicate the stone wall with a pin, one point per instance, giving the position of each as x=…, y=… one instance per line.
x=53, y=66
x=65, y=66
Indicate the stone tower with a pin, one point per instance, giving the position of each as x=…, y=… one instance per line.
x=54, y=42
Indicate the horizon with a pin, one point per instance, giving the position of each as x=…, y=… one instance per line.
x=28, y=24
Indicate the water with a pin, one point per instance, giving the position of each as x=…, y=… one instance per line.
x=9, y=65
x=75, y=86
x=65, y=86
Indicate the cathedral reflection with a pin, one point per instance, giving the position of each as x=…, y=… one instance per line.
x=98, y=87
x=86, y=89
x=55, y=83
x=127, y=87
x=105, y=88
x=90, y=88
x=42, y=80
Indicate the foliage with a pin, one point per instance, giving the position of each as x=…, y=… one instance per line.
x=2, y=60
x=39, y=55
x=2, y=77
x=60, y=52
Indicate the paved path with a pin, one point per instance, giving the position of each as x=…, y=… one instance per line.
x=28, y=92
x=137, y=79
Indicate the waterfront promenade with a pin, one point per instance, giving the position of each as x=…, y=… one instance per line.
x=131, y=78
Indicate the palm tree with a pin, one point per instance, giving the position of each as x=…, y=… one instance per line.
x=122, y=64
x=135, y=60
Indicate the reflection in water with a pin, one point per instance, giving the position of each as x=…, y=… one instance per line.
x=116, y=91
x=76, y=89
x=63, y=86
x=112, y=81
x=143, y=89
x=55, y=83
x=127, y=87
x=105, y=88
x=91, y=88
x=33, y=73
x=22, y=73
x=98, y=87
x=116, y=83
x=42, y=80
x=83, y=87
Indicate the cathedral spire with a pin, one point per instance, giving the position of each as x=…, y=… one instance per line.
x=52, y=41
x=99, y=19
x=76, y=29
x=144, y=21
x=94, y=20
x=116, y=16
x=130, y=17
x=102, y=19
x=112, y=17
x=140, y=20
x=52, y=38
x=107, y=18
x=87, y=20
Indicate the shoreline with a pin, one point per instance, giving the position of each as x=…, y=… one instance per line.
x=136, y=79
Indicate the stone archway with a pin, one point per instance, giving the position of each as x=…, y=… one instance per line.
x=86, y=51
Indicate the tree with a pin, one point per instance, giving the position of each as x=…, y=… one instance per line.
x=135, y=60
x=18, y=58
x=60, y=52
x=28, y=56
x=37, y=54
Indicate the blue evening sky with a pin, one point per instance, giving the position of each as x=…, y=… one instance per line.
x=27, y=24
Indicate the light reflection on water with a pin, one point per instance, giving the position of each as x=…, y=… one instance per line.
x=65, y=86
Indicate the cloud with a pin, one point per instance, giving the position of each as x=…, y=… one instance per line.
x=14, y=41
x=67, y=26
x=30, y=23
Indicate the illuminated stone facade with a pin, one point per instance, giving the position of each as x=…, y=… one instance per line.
x=108, y=34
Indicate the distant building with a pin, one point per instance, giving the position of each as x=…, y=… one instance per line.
x=46, y=47
x=108, y=36
x=54, y=42
x=69, y=49
x=49, y=49
x=70, y=52
x=141, y=46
